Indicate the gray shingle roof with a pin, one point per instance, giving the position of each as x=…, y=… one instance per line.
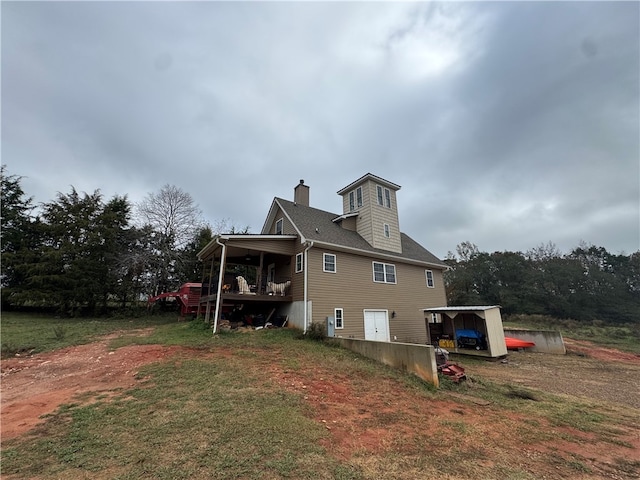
x=318, y=225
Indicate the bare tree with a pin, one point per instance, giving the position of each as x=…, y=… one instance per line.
x=172, y=213
x=175, y=220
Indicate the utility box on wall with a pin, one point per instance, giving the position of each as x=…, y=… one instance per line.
x=331, y=327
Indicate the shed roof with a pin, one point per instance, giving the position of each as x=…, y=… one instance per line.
x=464, y=308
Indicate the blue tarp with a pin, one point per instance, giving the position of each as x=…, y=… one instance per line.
x=469, y=334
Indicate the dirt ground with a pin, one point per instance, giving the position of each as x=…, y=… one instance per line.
x=352, y=411
x=586, y=371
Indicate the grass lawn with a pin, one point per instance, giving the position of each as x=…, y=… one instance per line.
x=27, y=334
x=255, y=405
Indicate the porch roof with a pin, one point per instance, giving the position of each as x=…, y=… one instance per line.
x=244, y=244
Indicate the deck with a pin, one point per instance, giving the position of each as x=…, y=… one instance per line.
x=243, y=297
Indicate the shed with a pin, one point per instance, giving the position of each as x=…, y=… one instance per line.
x=472, y=330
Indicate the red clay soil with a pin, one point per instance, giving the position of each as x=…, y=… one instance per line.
x=362, y=416
x=38, y=385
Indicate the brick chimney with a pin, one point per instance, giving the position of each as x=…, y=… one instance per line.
x=301, y=194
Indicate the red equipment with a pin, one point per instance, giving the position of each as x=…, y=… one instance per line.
x=188, y=296
x=453, y=370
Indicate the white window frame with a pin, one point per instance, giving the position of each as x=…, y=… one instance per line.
x=387, y=269
x=431, y=282
x=355, y=199
x=387, y=230
x=336, y=316
x=299, y=262
x=280, y=226
x=324, y=262
x=384, y=196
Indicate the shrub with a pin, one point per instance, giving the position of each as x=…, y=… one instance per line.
x=316, y=331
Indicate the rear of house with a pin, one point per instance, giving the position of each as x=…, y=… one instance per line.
x=355, y=271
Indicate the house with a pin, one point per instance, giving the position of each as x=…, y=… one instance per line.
x=354, y=270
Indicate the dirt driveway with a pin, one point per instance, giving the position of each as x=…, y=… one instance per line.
x=37, y=385
x=587, y=371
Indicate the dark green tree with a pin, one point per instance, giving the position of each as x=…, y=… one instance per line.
x=587, y=284
x=19, y=237
x=81, y=240
x=190, y=269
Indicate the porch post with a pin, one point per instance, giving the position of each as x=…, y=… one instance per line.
x=223, y=259
x=260, y=273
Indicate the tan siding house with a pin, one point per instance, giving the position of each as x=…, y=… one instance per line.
x=355, y=271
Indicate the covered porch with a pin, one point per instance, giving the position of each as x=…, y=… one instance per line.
x=249, y=273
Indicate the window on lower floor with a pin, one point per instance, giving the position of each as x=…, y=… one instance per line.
x=384, y=272
x=339, y=314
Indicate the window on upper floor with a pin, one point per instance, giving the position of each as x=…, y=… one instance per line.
x=384, y=196
x=299, y=262
x=279, y=226
x=430, y=281
x=384, y=272
x=329, y=262
x=387, y=230
x=339, y=315
x=355, y=199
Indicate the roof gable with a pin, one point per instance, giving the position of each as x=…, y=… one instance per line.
x=319, y=226
x=373, y=178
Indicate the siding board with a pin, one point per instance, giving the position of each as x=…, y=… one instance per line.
x=352, y=288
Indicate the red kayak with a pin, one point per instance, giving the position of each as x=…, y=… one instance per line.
x=516, y=343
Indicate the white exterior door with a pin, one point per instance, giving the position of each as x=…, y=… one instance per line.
x=376, y=325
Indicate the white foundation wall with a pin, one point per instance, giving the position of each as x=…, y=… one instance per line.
x=295, y=313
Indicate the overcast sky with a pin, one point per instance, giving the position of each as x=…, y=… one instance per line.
x=506, y=124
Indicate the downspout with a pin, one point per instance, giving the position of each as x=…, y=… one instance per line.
x=306, y=279
x=223, y=259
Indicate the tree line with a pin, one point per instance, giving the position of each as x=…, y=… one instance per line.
x=588, y=283
x=83, y=254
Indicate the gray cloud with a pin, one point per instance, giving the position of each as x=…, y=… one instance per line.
x=507, y=124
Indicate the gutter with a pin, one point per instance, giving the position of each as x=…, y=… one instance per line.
x=306, y=279
x=378, y=254
x=223, y=258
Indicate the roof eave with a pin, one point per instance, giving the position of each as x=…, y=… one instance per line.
x=372, y=177
x=369, y=253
